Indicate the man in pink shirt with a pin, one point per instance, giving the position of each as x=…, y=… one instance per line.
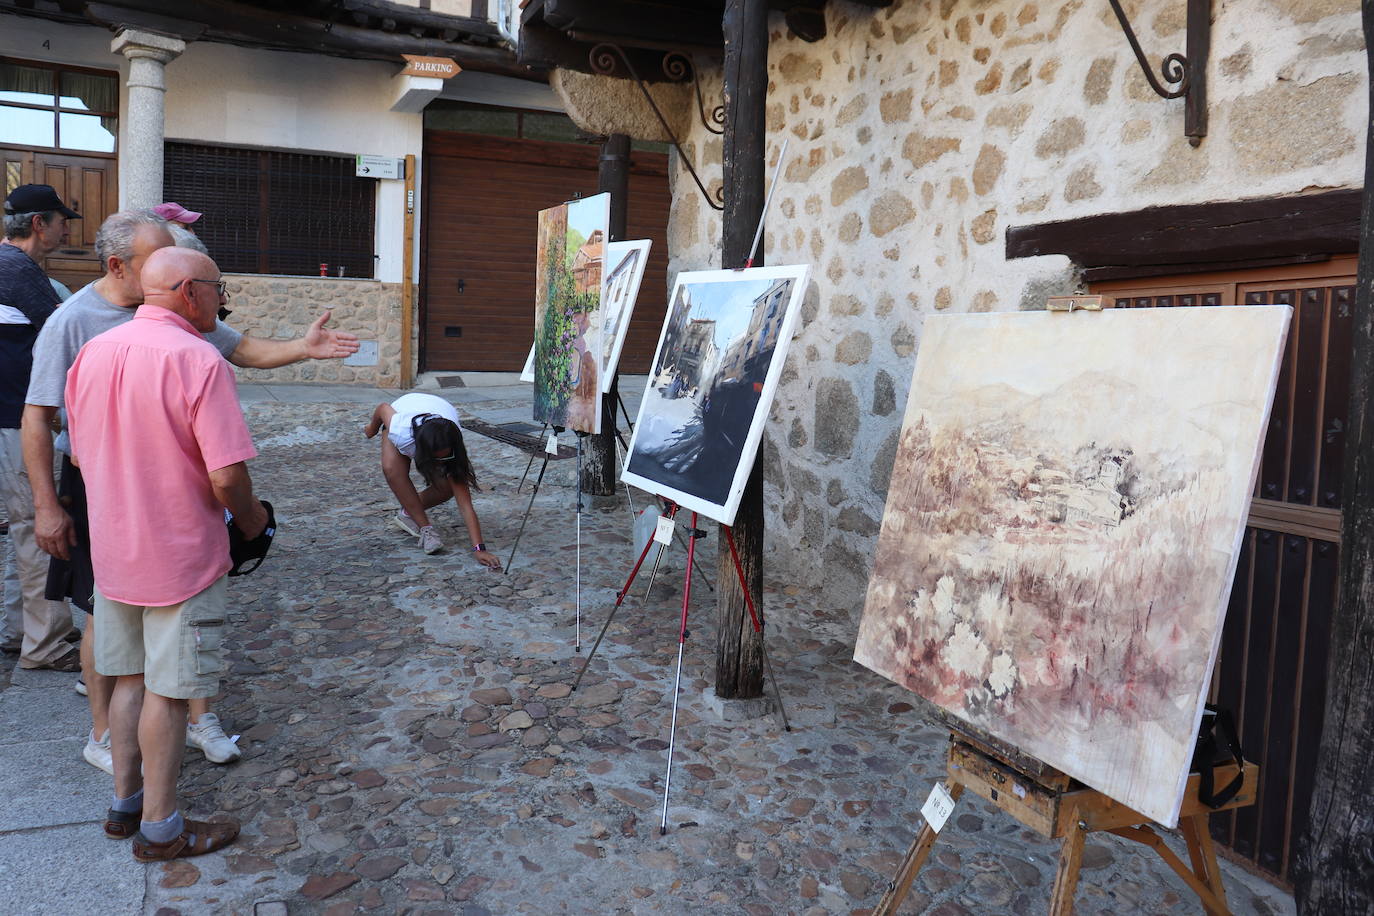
x=157, y=430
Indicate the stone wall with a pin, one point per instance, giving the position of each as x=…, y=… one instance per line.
x=284, y=307
x=918, y=134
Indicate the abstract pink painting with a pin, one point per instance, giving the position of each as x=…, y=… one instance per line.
x=1062, y=528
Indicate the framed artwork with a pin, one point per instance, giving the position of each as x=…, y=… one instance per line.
x=569, y=282
x=625, y=262
x=711, y=384
x=1062, y=526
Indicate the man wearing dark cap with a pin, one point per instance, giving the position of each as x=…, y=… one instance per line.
x=35, y=226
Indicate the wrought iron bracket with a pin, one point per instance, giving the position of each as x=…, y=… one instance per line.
x=1185, y=74
x=677, y=68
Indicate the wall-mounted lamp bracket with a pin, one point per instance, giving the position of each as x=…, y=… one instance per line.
x=1185, y=74
x=677, y=67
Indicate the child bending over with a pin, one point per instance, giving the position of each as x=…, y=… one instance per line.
x=425, y=427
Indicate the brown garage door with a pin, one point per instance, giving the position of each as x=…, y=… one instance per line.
x=482, y=196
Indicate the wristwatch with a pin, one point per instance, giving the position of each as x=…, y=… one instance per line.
x=479, y=547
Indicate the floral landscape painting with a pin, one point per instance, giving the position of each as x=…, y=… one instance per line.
x=567, y=316
x=1062, y=527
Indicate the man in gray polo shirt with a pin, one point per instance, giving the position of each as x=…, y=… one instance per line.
x=123, y=243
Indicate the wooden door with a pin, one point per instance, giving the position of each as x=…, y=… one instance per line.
x=482, y=196
x=89, y=186
x=1271, y=670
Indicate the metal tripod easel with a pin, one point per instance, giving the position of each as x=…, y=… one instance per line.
x=693, y=534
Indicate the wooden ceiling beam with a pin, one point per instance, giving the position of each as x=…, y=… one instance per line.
x=413, y=16
x=1308, y=224
x=243, y=24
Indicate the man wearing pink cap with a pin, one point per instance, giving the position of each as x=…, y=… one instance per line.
x=174, y=212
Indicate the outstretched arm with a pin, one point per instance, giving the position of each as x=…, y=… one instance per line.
x=463, y=497
x=318, y=342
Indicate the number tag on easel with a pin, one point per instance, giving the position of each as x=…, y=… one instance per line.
x=552, y=445
x=937, y=808
x=663, y=531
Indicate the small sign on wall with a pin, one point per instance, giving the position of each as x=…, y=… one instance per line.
x=379, y=167
x=366, y=355
x=436, y=67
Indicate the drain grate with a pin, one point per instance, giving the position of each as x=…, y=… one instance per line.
x=451, y=381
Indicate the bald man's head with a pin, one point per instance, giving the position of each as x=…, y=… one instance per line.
x=183, y=280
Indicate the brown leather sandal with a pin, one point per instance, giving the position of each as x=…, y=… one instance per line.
x=196, y=839
x=120, y=825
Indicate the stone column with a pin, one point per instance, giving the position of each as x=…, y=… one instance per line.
x=140, y=152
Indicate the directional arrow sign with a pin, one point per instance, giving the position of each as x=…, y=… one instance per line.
x=379, y=167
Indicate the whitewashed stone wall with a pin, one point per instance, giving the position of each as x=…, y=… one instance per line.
x=283, y=308
x=919, y=133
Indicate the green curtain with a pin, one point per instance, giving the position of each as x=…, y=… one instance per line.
x=28, y=80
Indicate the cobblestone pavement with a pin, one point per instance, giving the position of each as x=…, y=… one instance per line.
x=411, y=744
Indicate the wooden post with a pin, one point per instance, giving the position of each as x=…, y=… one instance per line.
x=1333, y=867
x=613, y=177
x=739, y=651
x=408, y=279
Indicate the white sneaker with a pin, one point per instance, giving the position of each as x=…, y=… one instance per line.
x=209, y=736
x=429, y=540
x=81, y=687
x=97, y=753
x=406, y=523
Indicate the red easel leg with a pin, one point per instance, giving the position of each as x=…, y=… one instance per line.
x=622, y=595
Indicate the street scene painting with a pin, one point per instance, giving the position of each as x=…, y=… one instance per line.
x=569, y=282
x=1062, y=527
x=719, y=356
x=625, y=262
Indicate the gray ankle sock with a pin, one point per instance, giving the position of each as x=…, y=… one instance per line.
x=162, y=831
x=128, y=805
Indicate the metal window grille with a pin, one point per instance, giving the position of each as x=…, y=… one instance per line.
x=275, y=212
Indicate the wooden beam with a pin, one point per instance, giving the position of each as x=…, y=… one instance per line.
x=241, y=23
x=613, y=177
x=411, y=15
x=1327, y=223
x=109, y=13
x=1333, y=869
x=688, y=24
x=739, y=650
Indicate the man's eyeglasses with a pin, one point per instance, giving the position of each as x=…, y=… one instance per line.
x=221, y=286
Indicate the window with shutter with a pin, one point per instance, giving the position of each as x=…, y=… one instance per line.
x=275, y=212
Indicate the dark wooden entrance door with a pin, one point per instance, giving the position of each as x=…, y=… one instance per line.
x=89, y=186
x=1271, y=670
x=481, y=198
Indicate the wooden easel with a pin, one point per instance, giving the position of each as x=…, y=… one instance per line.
x=1057, y=807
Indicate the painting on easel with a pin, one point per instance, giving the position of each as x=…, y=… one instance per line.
x=625, y=263
x=567, y=313
x=711, y=383
x=1062, y=527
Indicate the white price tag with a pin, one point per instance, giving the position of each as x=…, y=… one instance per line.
x=552, y=445
x=663, y=531
x=937, y=808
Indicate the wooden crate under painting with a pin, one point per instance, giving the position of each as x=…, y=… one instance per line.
x=1062, y=529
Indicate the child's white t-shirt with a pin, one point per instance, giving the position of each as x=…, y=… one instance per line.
x=408, y=407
